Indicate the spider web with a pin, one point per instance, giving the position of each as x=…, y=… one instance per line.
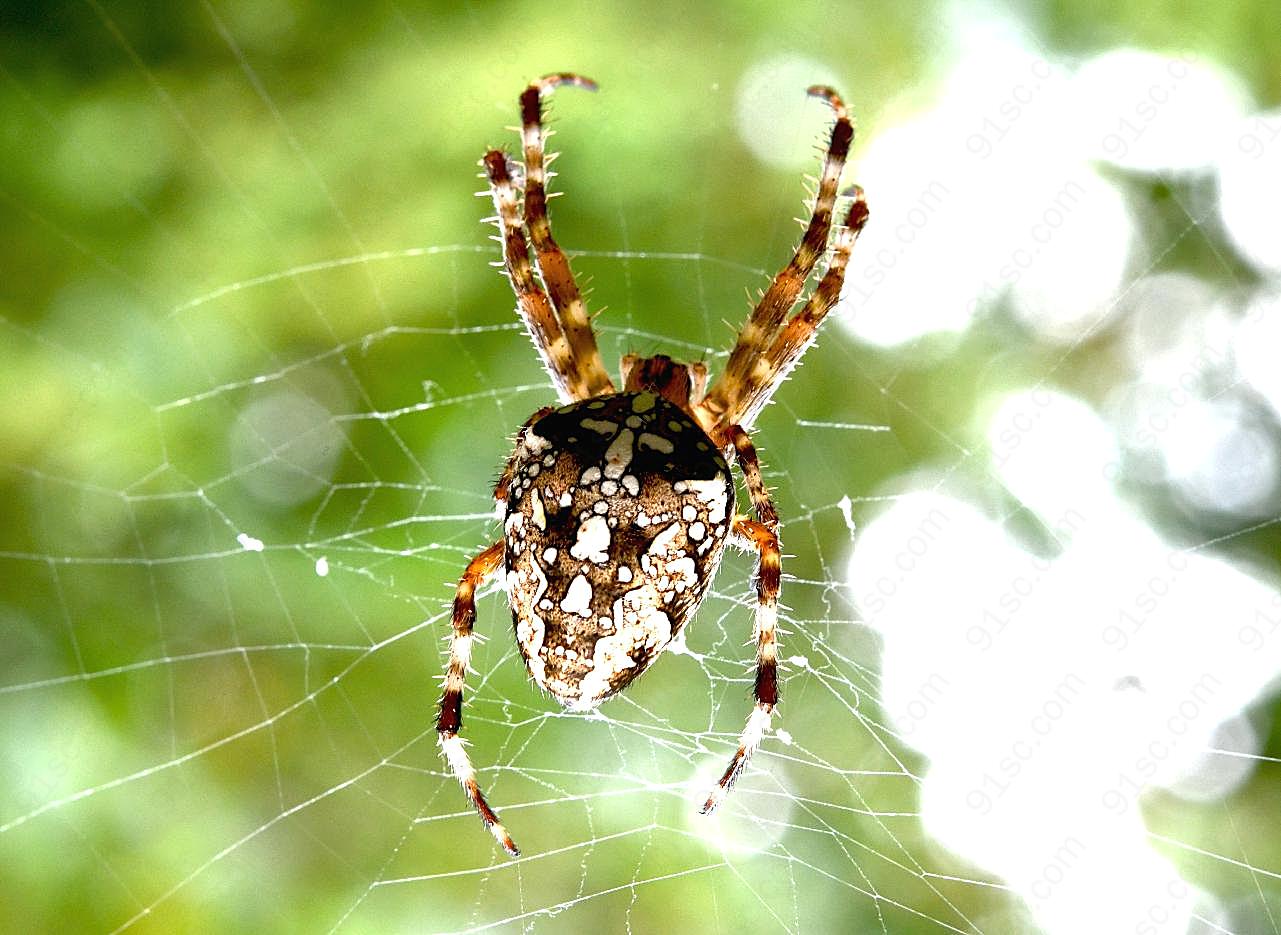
x=244, y=476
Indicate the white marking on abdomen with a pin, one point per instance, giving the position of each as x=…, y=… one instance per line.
x=593, y=541
x=619, y=454
x=578, y=598
x=712, y=492
x=538, y=515
x=657, y=442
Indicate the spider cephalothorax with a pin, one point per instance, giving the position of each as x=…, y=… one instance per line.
x=616, y=507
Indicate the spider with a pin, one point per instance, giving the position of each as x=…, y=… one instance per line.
x=617, y=506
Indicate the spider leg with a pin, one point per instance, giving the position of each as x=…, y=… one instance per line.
x=768, y=315
x=552, y=262
x=794, y=338
x=764, y=540
x=531, y=302
x=451, y=702
x=745, y=453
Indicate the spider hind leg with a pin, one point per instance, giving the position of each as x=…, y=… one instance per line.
x=450, y=720
x=765, y=689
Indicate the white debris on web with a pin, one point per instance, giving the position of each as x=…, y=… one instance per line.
x=249, y=543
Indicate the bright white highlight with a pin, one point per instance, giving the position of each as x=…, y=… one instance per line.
x=1255, y=344
x=773, y=119
x=1152, y=113
x=1065, y=279
x=322, y=567
x=285, y=447
x=1178, y=329
x=1250, y=188
x=1034, y=470
x=1052, y=684
x=1001, y=200
x=1220, y=463
x=1180, y=422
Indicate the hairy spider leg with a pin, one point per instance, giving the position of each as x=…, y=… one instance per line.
x=750, y=465
x=768, y=315
x=792, y=340
x=765, y=542
x=531, y=302
x=451, y=700
x=552, y=262
x=781, y=356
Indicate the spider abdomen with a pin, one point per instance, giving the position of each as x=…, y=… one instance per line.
x=615, y=520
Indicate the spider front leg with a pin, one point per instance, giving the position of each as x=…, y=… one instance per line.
x=451, y=701
x=789, y=344
x=762, y=536
x=770, y=312
x=552, y=262
x=535, y=310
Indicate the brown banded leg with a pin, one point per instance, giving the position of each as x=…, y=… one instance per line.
x=768, y=581
x=769, y=313
x=792, y=340
x=451, y=701
x=552, y=261
x=745, y=452
x=535, y=310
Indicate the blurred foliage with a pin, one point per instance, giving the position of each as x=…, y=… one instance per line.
x=171, y=183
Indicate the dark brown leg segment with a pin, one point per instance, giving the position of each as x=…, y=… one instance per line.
x=552, y=261
x=768, y=582
x=769, y=313
x=450, y=720
x=535, y=310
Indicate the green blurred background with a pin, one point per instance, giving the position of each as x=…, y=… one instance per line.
x=249, y=326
